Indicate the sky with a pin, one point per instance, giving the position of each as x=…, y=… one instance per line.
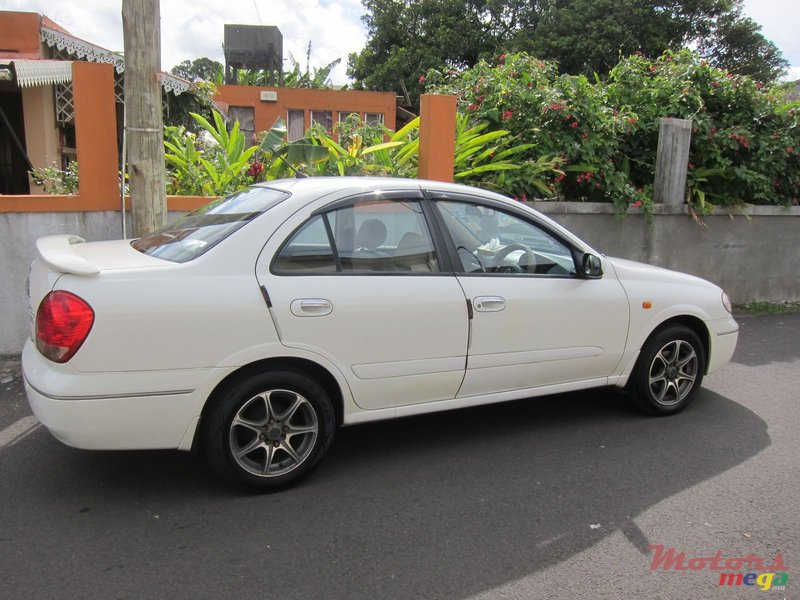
x=194, y=28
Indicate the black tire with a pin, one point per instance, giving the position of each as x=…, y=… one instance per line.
x=668, y=372
x=268, y=431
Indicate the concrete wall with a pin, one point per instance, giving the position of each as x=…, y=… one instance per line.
x=753, y=257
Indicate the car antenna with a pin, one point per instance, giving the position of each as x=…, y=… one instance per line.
x=297, y=174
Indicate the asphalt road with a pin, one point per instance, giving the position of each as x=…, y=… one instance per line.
x=557, y=497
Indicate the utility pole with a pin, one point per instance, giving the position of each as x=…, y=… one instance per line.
x=141, y=27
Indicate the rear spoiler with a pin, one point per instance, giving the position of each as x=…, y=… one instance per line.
x=56, y=252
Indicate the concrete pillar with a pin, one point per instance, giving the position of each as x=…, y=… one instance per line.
x=96, y=135
x=672, y=160
x=437, y=137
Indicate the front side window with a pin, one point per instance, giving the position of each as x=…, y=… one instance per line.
x=490, y=240
x=377, y=236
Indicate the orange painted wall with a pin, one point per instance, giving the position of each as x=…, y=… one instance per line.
x=294, y=98
x=96, y=132
x=437, y=133
x=19, y=35
x=96, y=140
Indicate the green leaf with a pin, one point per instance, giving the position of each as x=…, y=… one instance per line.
x=379, y=147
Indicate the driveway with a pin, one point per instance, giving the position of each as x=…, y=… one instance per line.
x=557, y=497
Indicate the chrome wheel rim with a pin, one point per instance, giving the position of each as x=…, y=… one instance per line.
x=673, y=372
x=273, y=433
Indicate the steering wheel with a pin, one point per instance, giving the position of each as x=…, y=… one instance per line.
x=528, y=260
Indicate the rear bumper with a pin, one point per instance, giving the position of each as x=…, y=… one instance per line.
x=78, y=409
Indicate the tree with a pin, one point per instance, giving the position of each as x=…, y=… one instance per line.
x=589, y=36
x=737, y=45
x=199, y=69
x=405, y=37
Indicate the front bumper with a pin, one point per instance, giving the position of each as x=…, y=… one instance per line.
x=723, y=334
x=148, y=410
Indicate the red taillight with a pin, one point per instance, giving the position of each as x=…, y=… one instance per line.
x=63, y=322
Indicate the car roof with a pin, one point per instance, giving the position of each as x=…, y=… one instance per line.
x=324, y=185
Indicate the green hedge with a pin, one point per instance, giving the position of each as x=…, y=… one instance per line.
x=745, y=137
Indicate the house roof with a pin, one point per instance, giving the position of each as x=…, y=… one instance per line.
x=55, y=36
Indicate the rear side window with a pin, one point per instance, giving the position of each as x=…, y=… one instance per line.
x=365, y=237
x=197, y=232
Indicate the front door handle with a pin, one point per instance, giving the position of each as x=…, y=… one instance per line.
x=489, y=303
x=311, y=307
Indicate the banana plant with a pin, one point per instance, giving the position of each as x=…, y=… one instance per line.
x=227, y=165
x=184, y=172
x=285, y=158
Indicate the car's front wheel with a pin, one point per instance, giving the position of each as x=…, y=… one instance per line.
x=669, y=371
x=269, y=430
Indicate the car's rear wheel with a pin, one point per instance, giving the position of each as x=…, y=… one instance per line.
x=669, y=371
x=269, y=430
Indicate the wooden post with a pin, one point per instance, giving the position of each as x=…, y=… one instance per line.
x=437, y=137
x=141, y=27
x=672, y=160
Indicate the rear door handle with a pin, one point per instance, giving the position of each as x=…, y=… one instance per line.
x=489, y=303
x=311, y=307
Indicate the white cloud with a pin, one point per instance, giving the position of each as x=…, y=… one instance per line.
x=191, y=29
x=194, y=28
x=780, y=22
x=793, y=74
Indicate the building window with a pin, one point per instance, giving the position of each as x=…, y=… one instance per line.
x=246, y=115
x=324, y=118
x=343, y=115
x=296, y=127
x=373, y=118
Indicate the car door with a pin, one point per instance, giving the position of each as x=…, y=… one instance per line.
x=536, y=322
x=364, y=283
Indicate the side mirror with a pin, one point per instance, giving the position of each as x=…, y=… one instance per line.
x=592, y=266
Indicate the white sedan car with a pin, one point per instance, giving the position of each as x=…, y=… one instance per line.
x=252, y=328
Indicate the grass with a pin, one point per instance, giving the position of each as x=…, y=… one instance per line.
x=768, y=308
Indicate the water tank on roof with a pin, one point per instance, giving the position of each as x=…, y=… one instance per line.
x=253, y=47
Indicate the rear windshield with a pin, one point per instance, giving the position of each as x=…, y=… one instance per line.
x=197, y=232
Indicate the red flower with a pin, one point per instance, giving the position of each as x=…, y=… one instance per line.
x=637, y=204
x=506, y=115
x=422, y=78
x=472, y=107
x=574, y=124
x=502, y=57
x=633, y=121
x=255, y=169
x=560, y=178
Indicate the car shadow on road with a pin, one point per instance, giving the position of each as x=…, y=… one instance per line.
x=436, y=506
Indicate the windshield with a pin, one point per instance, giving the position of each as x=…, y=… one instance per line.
x=197, y=232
